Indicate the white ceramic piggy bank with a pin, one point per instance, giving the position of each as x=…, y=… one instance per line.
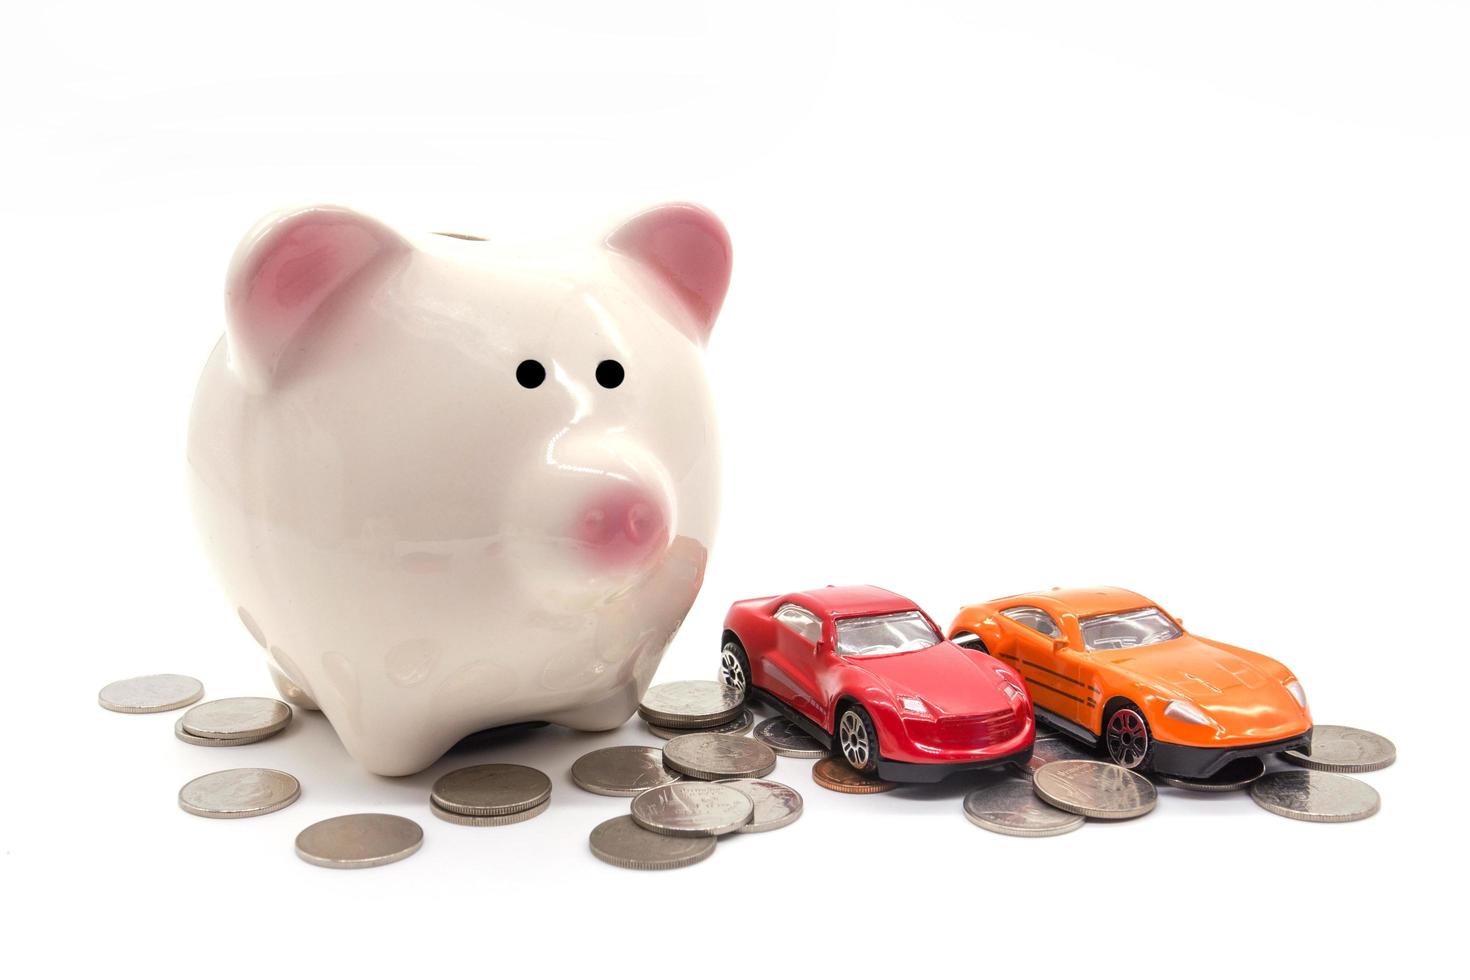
x=449, y=484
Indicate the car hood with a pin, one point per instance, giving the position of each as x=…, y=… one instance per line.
x=1214, y=676
x=951, y=680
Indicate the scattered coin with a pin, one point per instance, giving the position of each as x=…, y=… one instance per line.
x=1010, y=806
x=776, y=804
x=787, y=738
x=835, y=774
x=359, y=840
x=495, y=820
x=693, y=810
x=620, y=841
x=739, y=726
x=490, y=790
x=1095, y=789
x=184, y=736
x=1054, y=747
x=691, y=704
x=1335, y=748
x=1232, y=776
x=707, y=756
x=155, y=692
x=1318, y=797
x=237, y=718
x=239, y=793
x=622, y=770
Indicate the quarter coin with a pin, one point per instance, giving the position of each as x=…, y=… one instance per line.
x=1335, y=748
x=622, y=770
x=237, y=718
x=184, y=736
x=787, y=738
x=1010, y=806
x=1317, y=797
x=835, y=774
x=620, y=841
x=1231, y=777
x=776, y=804
x=1095, y=789
x=233, y=793
x=155, y=692
x=693, y=810
x=359, y=840
x=497, y=820
x=490, y=790
x=706, y=756
x=739, y=726
x=691, y=704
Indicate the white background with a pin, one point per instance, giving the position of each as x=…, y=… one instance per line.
x=1165, y=295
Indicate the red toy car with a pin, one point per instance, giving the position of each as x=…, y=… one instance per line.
x=867, y=672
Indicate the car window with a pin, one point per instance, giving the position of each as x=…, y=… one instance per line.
x=1033, y=618
x=877, y=636
x=800, y=621
x=1119, y=631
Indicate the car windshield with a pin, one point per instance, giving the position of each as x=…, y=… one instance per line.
x=874, y=636
x=1119, y=631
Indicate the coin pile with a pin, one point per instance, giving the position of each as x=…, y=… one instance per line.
x=233, y=721
x=491, y=795
x=680, y=707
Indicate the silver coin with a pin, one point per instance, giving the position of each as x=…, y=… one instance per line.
x=693, y=810
x=620, y=841
x=691, y=704
x=776, y=804
x=184, y=736
x=237, y=718
x=359, y=840
x=1054, y=747
x=705, y=756
x=496, y=820
x=787, y=738
x=1010, y=806
x=739, y=726
x=1335, y=748
x=233, y=793
x=155, y=692
x=1318, y=797
x=490, y=790
x=1232, y=776
x=1095, y=789
x=623, y=770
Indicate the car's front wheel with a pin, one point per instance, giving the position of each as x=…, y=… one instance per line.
x=857, y=739
x=1127, y=737
x=734, y=666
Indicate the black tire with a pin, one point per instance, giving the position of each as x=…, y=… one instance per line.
x=734, y=651
x=1131, y=745
x=861, y=751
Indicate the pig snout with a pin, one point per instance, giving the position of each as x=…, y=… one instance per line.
x=620, y=526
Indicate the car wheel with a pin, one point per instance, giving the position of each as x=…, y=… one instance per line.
x=1126, y=735
x=857, y=739
x=734, y=666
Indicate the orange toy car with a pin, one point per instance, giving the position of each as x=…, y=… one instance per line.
x=1108, y=666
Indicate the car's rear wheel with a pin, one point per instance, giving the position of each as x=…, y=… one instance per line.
x=734, y=666
x=857, y=739
x=1127, y=738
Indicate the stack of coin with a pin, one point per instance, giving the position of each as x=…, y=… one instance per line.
x=679, y=707
x=233, y=721
x=490, y=795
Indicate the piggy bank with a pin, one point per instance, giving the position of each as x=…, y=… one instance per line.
x=449, y=484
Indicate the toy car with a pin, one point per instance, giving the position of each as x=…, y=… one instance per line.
x=868, y=674
x=1108, y=666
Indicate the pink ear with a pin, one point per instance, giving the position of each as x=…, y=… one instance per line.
x=282, y=273
x=688, y=249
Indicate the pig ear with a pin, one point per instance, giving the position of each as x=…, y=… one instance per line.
x=285, y=269
x=688, y=250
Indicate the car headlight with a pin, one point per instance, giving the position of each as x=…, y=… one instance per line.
x=915, y=705
x=1184, y=711
x=1010, y=685
x=1294, y=688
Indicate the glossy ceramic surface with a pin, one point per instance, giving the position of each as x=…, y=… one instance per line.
x=427, y=533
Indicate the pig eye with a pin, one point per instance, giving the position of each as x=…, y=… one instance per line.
x=609, y=374
x=530, y=374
